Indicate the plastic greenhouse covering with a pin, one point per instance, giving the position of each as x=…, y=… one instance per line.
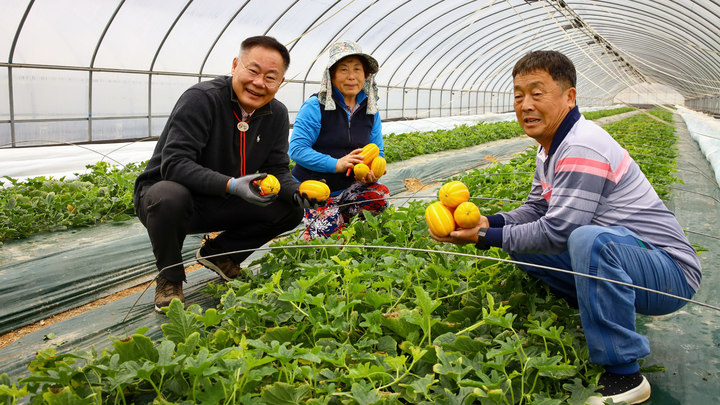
x=83, y=81
x=90, y=71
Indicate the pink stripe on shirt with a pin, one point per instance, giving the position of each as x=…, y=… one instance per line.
x=589, y=166
x=547, y=190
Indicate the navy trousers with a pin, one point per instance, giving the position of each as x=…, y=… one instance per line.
x=607, y=310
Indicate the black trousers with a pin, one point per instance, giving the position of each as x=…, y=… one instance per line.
x=170, y=212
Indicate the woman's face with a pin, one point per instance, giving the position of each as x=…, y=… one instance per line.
x=349, y=76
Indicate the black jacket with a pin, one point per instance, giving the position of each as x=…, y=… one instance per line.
x=200, y=144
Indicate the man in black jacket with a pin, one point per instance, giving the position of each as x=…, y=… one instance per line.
x=222, y=137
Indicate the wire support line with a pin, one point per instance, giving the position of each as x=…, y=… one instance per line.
x=407, y=198
x=422, y=196
x=702, y=172
x=675, y=135
x=421, y=250
x=697, y=193
x=701, y=234
x=670, y=158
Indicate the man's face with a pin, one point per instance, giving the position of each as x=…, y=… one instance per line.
x=541, y=104
x=256, y=76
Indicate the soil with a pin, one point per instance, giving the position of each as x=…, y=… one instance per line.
x=414, y=185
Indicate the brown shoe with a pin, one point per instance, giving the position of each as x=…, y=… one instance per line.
x=222, y=265
x=165, y=291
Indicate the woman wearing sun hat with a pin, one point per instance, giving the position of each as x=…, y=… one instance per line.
x=329, y=132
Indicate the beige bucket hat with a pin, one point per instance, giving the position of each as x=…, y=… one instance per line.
x=341, y=49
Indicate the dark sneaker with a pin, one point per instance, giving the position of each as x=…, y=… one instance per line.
x=630, y=388
x=165, y=291
x=222, y=265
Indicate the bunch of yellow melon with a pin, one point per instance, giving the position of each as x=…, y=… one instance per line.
x=452, y=210
x=371, y=161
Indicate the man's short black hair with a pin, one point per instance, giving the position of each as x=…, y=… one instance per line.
x=269, y=43
x=559, y=66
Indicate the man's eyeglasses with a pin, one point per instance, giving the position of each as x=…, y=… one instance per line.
x=270, y=79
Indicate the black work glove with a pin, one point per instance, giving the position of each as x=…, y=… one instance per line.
x=302, y=200
x=247, y=188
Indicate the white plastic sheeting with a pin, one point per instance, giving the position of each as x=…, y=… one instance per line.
x=705, y=130
x=66, y=161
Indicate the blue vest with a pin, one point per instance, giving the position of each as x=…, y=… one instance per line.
x=337, y=138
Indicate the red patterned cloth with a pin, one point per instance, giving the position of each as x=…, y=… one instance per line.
x=339, y=209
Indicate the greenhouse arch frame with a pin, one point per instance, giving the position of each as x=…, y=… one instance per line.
x=119, y=65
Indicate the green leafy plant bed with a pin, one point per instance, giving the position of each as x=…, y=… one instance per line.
x=650, y=140
x=593, y=115
x=404, y=146
x=103, y=194
x=382, y=314
x=348, y=325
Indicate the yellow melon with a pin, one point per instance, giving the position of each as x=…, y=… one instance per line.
x=270, y=185
x=361, y=170
x=315, y=189
x=467, y=215
x=378, y=166
x=439, y=219
x=369, y=152
x=453, y=194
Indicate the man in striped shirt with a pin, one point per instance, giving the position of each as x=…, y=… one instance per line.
x=591, y=210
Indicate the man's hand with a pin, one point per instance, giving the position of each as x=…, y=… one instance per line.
x=302, y=200
x=462, y=236
x=347, y=162
x=247, y=188
x=458, y=236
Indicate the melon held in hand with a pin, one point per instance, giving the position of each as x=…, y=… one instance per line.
x=453, y=194
x=439, y=219
x=378, y=166
x=369, y=152
x=467, y=215
x=361, y=170
x=270, y=185
x=315, y=189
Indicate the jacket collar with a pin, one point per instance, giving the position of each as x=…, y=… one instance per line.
x=338, y=96
x=568, y=122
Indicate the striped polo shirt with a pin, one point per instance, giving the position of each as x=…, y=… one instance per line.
x=587, y=178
